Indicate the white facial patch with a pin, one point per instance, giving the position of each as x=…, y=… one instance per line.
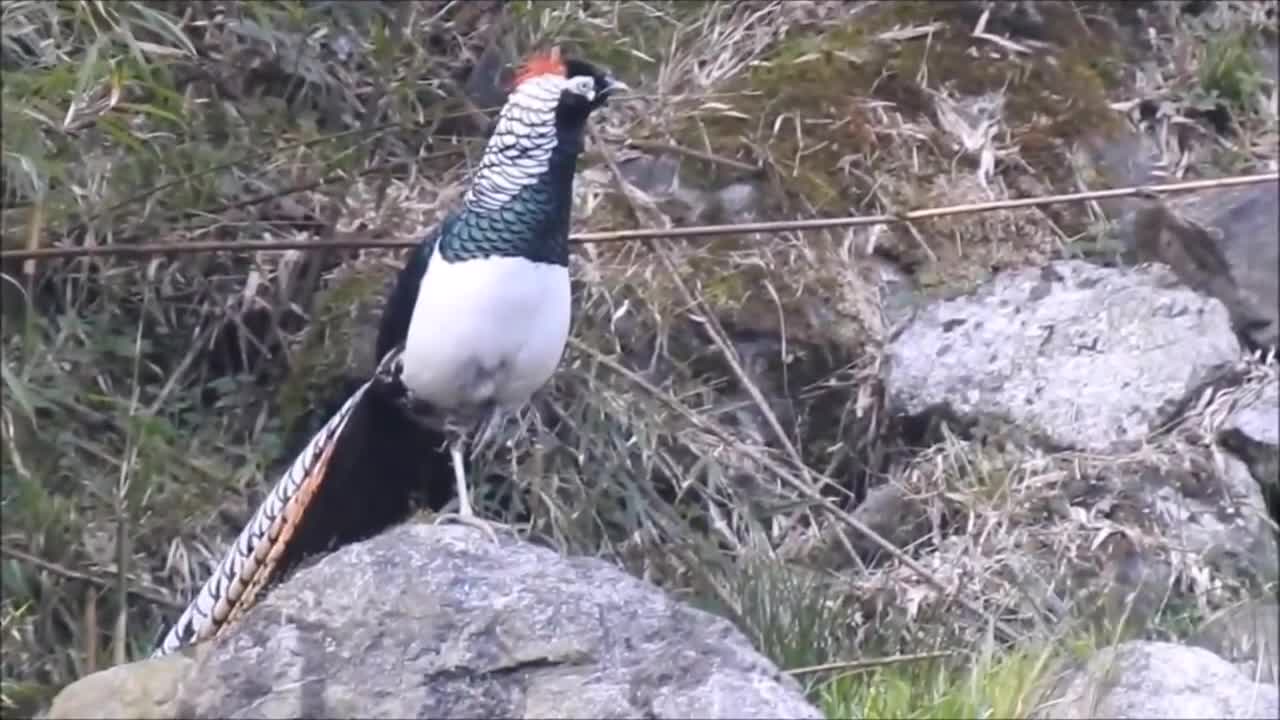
x=583, y=85
x=521, y=145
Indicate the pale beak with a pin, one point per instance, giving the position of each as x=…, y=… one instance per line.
x=613, y=86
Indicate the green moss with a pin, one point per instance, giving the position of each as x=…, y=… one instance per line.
x=1052, y=98
x=1229, y=70
x=1061, y=95
x=825, y=81
x=723, y=289
x=800, y=88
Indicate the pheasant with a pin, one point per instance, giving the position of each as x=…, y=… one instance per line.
x=477, y=321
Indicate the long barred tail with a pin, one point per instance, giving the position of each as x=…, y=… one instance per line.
x=252, y=559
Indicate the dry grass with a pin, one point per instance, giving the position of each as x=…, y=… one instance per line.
x=1128, y=543
x=714, y=391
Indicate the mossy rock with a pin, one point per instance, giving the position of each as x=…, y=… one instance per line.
x=1052, y=97
x=809, y=104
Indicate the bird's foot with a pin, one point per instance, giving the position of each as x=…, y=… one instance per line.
x=488, y=527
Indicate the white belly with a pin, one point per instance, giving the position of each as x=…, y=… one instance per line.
x=486, y=331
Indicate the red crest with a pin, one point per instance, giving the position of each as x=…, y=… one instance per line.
x=548, y=63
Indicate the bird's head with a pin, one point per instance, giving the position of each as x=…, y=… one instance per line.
x=540, y=127
x=568, y=87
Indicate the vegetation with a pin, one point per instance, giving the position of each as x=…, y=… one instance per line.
x=149, y=402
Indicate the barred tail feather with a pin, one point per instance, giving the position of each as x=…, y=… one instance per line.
x=248, y=563
x=368, y=468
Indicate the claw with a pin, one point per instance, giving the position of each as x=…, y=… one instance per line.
x=485, y=526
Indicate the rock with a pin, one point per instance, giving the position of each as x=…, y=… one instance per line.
x=1247, y=634
x=1252, y=437
x=1119, y=158
x=735, y=203
x=1143, y=679
x=1259, y=420
x=1222, y=243
x=660, y=177
x=1206, y=526
x=1219, y=517
x=1154, y=524
x=894, y=515
x=145, y=689
x=1077, y=355
x=887, y=510
x=438, y=621
x=1269, y=60
x=898, y=294
x=657, y=176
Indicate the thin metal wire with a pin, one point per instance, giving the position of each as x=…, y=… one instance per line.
x=676, y=233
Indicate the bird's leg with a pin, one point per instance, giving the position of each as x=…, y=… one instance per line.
x=455, y=435
x=460, y=478
x=465, y=514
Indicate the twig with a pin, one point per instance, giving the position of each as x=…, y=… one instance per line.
x=1006, y=633
x=695, y=231
x=854, y=665
x=198, y=346
x=106, y=583
x=131, y=443
x=90, y=630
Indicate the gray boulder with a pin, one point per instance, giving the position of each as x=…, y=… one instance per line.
x=1222, y=243
x=1075, y=355
x=1260, y=419
x=1247, y=634
x=438, y=621
x=1143, y=679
